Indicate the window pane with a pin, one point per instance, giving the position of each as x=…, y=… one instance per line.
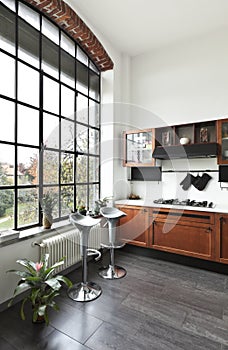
x=51, y=167
x=82, y=78
x=28, y=45
x=67, y=200
x=50, y=30
x=55, y=191
x=67, y=44
x=10, y=4
x=28, y=166
x=82, y=138
x=7, y=109
x=94, y=85
x=51, y=95
x=93, y=169
x=29, y=15
x=28, y=85
x=81, y=56
x=93, y=195
x=6, y=165
x=81, y=195
x=7, y=30
x=50, y=57
x=67, y=168
x=6, y=209
x=82, y=109
x=94, y=141
x=67, y=102
x=81, y=169
x=94, y=114
x=28, y=206
x=67, y=135
x=93, y=67
x=67, y=69
x=50, y=130
x=28, y=125
x=7, y=74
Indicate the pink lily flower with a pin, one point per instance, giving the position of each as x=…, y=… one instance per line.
x=39, y=266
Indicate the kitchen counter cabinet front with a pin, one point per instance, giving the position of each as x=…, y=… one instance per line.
x=222, y=238
x=183, y=232
x=136, y=221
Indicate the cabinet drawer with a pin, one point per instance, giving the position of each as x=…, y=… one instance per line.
x=182, y=239
x=182, y=217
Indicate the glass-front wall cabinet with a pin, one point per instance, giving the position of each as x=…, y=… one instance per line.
x=223, y=141
x=139, y=146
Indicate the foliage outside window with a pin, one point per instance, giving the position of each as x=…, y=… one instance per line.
x=49, y=110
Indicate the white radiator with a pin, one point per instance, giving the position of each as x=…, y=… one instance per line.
x=67, y=244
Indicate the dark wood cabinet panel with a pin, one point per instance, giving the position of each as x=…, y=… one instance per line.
x=222, y=238
x=192, y=240
x=134, y=226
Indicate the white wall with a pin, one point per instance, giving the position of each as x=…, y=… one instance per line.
x=184, y=82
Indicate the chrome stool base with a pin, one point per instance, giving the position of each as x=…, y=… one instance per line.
x=112, y=272
x=84, y=291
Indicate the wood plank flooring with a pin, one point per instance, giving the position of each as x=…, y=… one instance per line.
x=159, y=305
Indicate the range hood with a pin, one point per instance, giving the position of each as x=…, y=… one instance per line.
x=200, y=150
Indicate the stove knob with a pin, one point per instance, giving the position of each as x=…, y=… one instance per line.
x=210, y=205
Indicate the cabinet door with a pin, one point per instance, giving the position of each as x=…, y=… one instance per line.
x=138, y=148
x=134, y=226
x=223, y=141
x=222, y=238
x=193, y=240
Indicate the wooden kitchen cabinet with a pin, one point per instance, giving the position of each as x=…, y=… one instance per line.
x=189, y=233
x=222, y=238
x=133, y=227
x=138, y=147
x=222, y=137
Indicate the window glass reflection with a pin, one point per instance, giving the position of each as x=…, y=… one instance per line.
x=7, y=153
x=7, y=122
x=7, y=30
x=28, y=85
x=28, y=166
x=7, y=74
x=51, y=95
x=28, y=205
x=67, y=102
x=50, y=131
x=28, y=125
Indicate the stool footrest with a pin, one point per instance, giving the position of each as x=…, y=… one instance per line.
x=115, y=245
x=91, y=251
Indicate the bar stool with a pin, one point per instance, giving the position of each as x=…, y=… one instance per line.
x=112, y=271
x=84, y=291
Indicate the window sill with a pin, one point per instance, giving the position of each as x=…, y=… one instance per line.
x=57, y=227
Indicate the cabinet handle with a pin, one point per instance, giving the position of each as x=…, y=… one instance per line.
x=209, y=229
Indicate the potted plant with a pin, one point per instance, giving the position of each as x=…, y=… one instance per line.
x=44, y=287
x=49, y=201
x=81, y=208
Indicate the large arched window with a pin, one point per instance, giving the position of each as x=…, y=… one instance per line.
x=49, y=118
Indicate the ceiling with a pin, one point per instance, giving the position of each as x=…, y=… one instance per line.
x=138, y=26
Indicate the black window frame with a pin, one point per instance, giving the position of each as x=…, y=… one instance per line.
x=75, y=152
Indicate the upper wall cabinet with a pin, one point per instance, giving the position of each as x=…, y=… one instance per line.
x=222, y=136
x=138, y=147
x=196, y=140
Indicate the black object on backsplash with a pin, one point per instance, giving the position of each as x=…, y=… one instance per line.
x=199, y=182
x=146, y=174
x=223, y=173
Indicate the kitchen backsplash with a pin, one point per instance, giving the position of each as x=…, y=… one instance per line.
x=170, y=187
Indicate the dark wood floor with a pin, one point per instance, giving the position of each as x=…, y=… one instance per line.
x=158, y=305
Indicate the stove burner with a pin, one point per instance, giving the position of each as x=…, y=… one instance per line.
x=186, y=202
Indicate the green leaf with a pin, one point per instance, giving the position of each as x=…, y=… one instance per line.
x=29, y=265
x=65, y=280
x=53, y=283
x=20, y=273
x=20, y=288
x=22, y=309
x=59, y=263
x=41, y=310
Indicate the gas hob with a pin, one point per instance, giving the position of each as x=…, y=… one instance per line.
x=186, y=202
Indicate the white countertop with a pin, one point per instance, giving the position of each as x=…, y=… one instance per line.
x=150, y=203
